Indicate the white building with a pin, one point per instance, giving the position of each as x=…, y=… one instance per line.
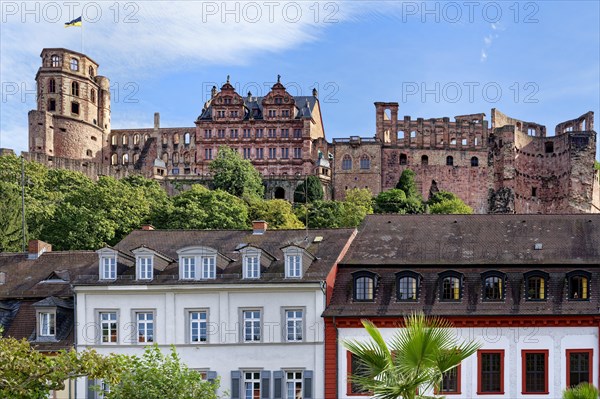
x=239, y=305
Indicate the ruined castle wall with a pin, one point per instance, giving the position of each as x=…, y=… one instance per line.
x=89, y=168
x=582, y=177
x=77, y=140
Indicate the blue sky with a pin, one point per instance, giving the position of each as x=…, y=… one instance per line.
x=536, y=61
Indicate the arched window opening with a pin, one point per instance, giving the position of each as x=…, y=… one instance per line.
x=91, y=71
x=449, y=160
x=125, y=159
x=114, y=139
x=114, y=160
x=535, y=285
x=55, y=59
x=136, y=139
x=407, y=284
x=403, y=159
x=424, y=160
x=365, y=162
x=279, y=193
x=493, y=287
x=549, y=147
x=364, y=288
x=75, y=89
x=346, y=162
x=124, y=140
x=186, y=139
x=74, y=64
x=51, y=86
x=451, y=286
x=401, y=135
x=51, y=105
x=474, y=161
x=93, y=96
x=579, y=284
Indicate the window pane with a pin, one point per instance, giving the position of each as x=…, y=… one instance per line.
x=535, y=372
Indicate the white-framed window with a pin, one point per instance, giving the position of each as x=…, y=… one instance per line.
x=145, y=326
x=293, y=385
x=251, y=267
x=198, y=326
x=251, y=323
x=47, y=324
x=209, y=268
x=294, y=321
x=108, y=327
x=251, y=384
x=145, y=267
x=189, y=267
x=109, y=267
x=104, y=389
x=293, y=266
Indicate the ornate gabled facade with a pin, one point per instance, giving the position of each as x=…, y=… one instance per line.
x=508, y=166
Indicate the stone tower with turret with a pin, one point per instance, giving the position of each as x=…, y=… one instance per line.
x=72, y=119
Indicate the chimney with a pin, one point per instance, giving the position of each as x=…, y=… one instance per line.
x=259, y=227
x=37, y=247
x=147, y=227
x=156, y=120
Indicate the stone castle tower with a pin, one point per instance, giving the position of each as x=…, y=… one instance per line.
x=72, y=119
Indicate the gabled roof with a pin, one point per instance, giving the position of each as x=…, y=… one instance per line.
x=304, y=106
x=476, y=239
x=53, y=301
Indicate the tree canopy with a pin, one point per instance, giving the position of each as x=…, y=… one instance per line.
x=235, y=175
x=277, y=213
x=309, y=190
x=11, y=232
x=448, y=203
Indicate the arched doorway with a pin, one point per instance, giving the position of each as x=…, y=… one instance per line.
x=279, y=193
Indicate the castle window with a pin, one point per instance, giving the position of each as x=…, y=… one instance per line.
x=186, y=139
x=164, y=139
x=364, y=286
x=549, y=146
x=51, y=86
x=136, y=157
x=403, y=159
x=493, y=286
x=400, y=135
x=407, y=284
x=114, y=160
x=449, y=161
x=74, y=64
x=413, y=134
x=451, y=286
x=531, y=131
x=176, y=139
x=125, y=159
x=535, y=285
x=579, y=284
x=365, y=162
x=75, y=89
x=55, y=59
x=93, y=96
x=424, y=160
x=136, y=139
x=175, y=158
x=124, y=140
x=534, y=191
x=51, y=104
x=474, y=161
x=75, y=108
x=165, y=158
x=114, y=139
x=346, y=162
x=91, y=71
x=88, y=153
x=453, y=141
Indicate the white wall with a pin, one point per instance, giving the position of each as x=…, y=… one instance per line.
x=224, y=350
x=512, y=339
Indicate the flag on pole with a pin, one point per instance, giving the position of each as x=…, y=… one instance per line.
x=75, y=22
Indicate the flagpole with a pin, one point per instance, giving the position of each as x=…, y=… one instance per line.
x=82, y=52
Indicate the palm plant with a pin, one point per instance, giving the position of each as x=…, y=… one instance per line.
x=413, y=362
x=581, y=391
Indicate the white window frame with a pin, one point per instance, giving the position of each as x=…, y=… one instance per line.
x=251, y=266
x=199, y=322
x=298, y=323
x=108, y=267
x=249, y=316
x=252, y=380
x=47, y=328
x=293, y=265
x=208, y=267
x=293, y=380
x=145, y=267
x=108, y=322
x=188, y=267
x=145, y=322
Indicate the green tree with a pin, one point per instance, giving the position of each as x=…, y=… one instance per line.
x=582, y=391
x=407, y=184
x=391, y=201
x=158, y=376
x=330, y=214
x=29, y=374
x=309, y=190
x=278, y=213
x=201, y=208
x=11, y=233
x=596, y=165
x=362, y=198
x=413, y=361
x=235, y=175
x=444, y=202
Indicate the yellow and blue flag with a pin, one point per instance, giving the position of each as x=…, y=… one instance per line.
x=75, y=22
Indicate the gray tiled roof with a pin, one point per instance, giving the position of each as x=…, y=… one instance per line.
x=256, y=104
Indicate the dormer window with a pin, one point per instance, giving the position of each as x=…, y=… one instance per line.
x=493, y=286
x=209, y=268
x=579, y=285
x=293, y=266
x=189, y=267
x=450, y=286
x=47, y=323
x=199, y=263
x=108, y=267
x=364, y=286
x=535, y=285
x=251, y=266
x=407, y=284
x=145, y=267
